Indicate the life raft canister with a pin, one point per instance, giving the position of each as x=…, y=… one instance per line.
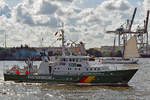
x=26, y=72
x=17, y=72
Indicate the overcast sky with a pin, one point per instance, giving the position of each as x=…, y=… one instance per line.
x=28, y=21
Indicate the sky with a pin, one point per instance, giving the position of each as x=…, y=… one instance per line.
x=31, y=21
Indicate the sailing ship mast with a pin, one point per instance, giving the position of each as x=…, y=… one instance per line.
x=63, y=42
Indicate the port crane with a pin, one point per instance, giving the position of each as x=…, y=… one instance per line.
x=141, y=33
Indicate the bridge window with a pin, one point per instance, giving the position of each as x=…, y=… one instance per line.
x=79, y=65
x=69, y=68
x=70, y=59
x=73, y=60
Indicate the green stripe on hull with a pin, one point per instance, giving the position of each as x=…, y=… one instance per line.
x=120, y=76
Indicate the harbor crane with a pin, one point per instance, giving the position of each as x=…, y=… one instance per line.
x=141, y=33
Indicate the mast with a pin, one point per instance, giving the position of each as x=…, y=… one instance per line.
x=63, y=40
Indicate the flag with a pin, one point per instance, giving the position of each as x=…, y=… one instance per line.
x=60, y=35
x=59, y=39
x=56, y=33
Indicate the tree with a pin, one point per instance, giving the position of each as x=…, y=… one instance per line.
x=118, y=53
x=26, y=46
x=21, y=46
x=94, y=52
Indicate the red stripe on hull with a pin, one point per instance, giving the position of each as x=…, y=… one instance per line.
x=83, y=79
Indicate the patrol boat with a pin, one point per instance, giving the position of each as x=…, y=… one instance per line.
x=70, y=69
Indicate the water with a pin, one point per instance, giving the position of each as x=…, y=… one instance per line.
x=139, y=88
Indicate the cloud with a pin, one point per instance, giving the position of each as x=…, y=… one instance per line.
x=40, y=13
x=64, y=1
x=23, y=16
x=112, y=5
x=146, y=4
x=5, y=10
x=33, y=19
x=48, y=8
x=12, y=3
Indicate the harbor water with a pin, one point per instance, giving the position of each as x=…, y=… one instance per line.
x=138, y=89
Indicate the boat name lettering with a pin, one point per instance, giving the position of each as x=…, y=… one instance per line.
x=72, y=64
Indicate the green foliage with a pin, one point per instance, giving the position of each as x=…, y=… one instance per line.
x=97, y=53
x=94, y=52
x=118, y=53
x=57, y=53
x=106, y=54
x=112, y=54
